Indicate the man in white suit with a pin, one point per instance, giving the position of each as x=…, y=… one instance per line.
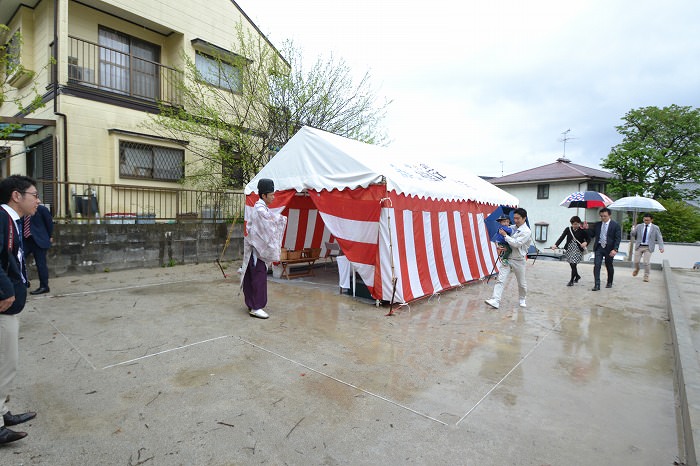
x=646, y=236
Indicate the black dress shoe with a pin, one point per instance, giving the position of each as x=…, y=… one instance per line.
x=7, y=435
x=608, y=285
x=571, y=283
x=41, y=290
x=578, y=277
x=14, y=419
x=596, y=288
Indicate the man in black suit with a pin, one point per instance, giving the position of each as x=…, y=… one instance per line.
x=607, y=236
x=19, y=197
x=38, y=236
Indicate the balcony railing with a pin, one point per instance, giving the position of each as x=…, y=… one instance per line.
x=111, y=70
x=112, y=203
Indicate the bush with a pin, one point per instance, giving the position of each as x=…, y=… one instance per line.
x=680, y=223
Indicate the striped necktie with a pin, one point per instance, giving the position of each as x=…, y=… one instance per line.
x=27, y=226
x=604, y=235
x=20, y=252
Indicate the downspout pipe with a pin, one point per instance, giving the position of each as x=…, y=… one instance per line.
x=56, y=107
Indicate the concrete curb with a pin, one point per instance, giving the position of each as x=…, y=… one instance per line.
x=686, y=370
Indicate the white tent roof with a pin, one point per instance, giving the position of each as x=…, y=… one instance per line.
x=315, y=159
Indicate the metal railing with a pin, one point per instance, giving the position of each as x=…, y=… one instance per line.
x=116, y=203
x=108, y=69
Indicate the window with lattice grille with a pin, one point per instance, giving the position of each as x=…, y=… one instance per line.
x=145, y=161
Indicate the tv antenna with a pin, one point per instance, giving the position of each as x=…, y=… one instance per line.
x=565, y=139
x=501, y=167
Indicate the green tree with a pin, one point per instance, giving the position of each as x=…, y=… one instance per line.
x=11, y=67
x=679, y=223
x=257, y=102
x=660, y=149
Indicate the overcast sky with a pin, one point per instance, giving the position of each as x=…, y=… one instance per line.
x=492, y=86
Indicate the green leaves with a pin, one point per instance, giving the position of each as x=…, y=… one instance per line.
x=659, y=150
x=679, y=223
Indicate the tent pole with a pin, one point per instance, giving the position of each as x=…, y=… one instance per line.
x=394, y=279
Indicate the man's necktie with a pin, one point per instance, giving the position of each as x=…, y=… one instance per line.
x=20, y=251
x=604, y=235
x=644, y=236
x=27, y=226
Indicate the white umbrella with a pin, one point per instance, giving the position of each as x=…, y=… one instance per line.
x=637, y=204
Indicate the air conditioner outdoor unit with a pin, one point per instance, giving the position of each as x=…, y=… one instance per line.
x=79, y=73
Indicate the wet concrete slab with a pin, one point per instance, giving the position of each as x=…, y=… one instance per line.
x=164, y=366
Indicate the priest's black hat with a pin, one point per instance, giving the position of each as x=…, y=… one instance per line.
x=265, y=186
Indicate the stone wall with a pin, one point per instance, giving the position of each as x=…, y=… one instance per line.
x=80, y=249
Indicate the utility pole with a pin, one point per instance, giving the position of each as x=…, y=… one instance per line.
x=501, y=167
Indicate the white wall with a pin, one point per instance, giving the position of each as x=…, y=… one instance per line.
x=681, y=255
x=549, y=211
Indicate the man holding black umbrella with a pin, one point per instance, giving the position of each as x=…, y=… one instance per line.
x=607, y=236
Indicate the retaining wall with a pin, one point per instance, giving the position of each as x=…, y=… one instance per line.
x=79, y=249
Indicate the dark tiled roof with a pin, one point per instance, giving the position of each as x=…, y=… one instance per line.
x=558, y=170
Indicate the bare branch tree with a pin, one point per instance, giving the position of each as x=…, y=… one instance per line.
x=238, y=109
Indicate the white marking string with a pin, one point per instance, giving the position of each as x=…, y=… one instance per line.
x=164, y=351
x=558, y=324
x=73, y=346
x=81, y=293
x=345, y=383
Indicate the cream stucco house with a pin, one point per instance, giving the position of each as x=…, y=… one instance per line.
x=114, y=61
x=541, y=189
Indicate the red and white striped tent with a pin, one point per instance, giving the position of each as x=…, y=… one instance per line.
x=396, y=221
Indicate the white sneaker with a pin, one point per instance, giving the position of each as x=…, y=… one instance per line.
x=492, y=302
x=259, y=313
x=522, y=303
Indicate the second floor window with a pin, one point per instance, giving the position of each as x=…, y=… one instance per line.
x=542, y=191
x=128, y=65
x=218, y=73
x=596, y=186
x=150, y=162
x=11, y=52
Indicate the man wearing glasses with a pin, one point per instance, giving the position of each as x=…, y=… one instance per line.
x=19, y=197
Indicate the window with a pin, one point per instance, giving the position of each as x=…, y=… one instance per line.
x=150, y=162
x=12, y=52
x=541, y=230
x=542, y=191
x=218, y=73
x=597, y=186
x=128, y=65
x=16, y=73
x=232, y=169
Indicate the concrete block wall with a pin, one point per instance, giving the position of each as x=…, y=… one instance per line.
x=79, y=249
